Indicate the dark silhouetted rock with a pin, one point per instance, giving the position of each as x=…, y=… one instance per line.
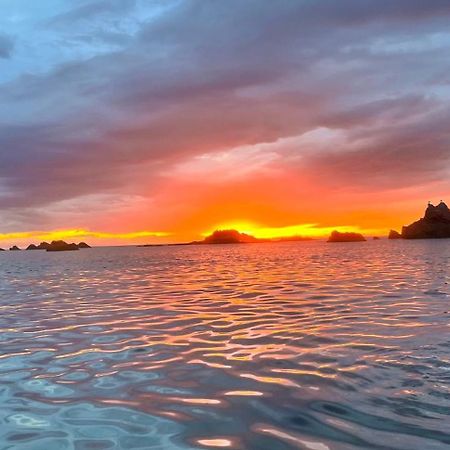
x=61, y=246
x=434, y=225
x=336, y=236
x=14, y=248
x=43, y=246
x=394, y=235
x=32, y=247
x=376, y=238
x=2, y=249
x=229, y=237
x=83, y=245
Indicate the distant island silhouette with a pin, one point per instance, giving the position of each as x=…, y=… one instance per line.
x=221, y=237
x=229, y=237
x=62, y=246
x=435, y=224
x=54, y=246
x=336, y=236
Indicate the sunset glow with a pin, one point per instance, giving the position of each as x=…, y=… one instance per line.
x=146, y=123
x=224, y=224
x=79, y=234
x=305, y=230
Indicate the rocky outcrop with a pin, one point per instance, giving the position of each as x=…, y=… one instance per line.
x=14, y=248
x=43, y=246
x=2, y=249
x=394, y=235
x=228, y=237
x=55, y=246
x=61, y=246
x=336, y=236
x=434, y=225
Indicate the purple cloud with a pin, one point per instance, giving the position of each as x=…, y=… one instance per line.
x=199, y=77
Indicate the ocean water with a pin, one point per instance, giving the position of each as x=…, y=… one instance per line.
x=285, y=346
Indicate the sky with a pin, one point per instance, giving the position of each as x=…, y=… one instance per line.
x=147, y=121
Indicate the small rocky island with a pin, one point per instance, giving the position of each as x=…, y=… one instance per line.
x=62, y=246
x=337, y=236
x=435, y=224
x=229, y=237
x=236, y=237
x=394, y=235
x=55, y=246
x=232, y=237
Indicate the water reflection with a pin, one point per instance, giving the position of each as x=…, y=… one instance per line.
x=283, y=346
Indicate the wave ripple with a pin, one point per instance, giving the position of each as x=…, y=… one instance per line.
x=262, y=346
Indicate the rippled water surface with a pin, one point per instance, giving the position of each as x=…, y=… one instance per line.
x=262, y=346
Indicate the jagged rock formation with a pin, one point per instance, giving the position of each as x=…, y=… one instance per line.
x=61, y=246
x=336, y=236
x=55, y=246
x=43, y=246
x=2, y=249
x=14, y=248
x=434, y=225
x=394, y=235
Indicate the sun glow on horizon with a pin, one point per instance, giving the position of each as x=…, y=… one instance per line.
x=307, y=230
x=301, y=230
x=79, y=233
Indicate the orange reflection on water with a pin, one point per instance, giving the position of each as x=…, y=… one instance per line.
x=198, y=401
x=290, y=437
x=215, y=442
x=305, y=372
x=273, y=380
x=244, y=393
x=209, y=364
x=116, y=401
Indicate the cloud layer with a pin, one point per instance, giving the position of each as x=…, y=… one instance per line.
x=153, y=105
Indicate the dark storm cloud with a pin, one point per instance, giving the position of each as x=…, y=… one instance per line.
x=208, y=75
